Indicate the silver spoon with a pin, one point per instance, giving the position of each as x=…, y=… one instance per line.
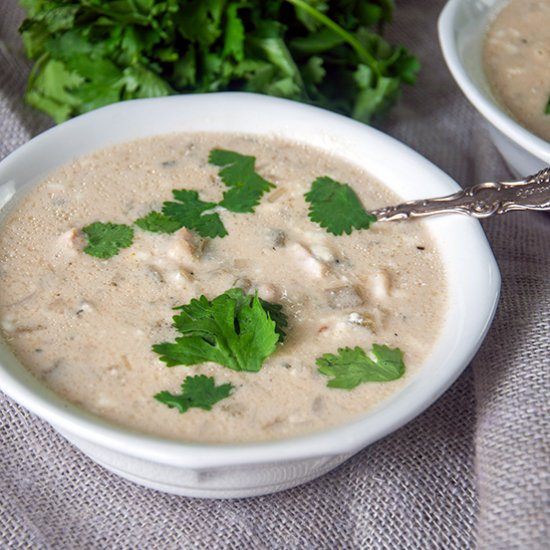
x=481, y=201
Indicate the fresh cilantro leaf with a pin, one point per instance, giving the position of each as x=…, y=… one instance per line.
x=157, y=222
x=313, y=70
x=185, y=69
x=267, y=42
x=200, y=21
x=197, y=391
x=189, y=211
x=233, y=330
x=407, y=66
x=52, y=89
x=336, y=207
x=106, y=239
x=238, y=172
x=371, y=100
x=234, y=34
x=276, y=313
x=372, y=14
x=146, y=83
x=352, y=367
x=37, y=31
x=547, y=108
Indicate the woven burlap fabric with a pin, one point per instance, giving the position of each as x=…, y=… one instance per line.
x=471, y=472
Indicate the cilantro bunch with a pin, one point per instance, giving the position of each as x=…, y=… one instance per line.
x=89, y=53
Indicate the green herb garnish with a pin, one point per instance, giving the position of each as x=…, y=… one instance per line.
x=276, y=314
x=90, y=53
x=246, y=188
x=336, y=207
x=547, y=108
x=157, y=222
x=197, y=391
x=352, y=367
x=188, y=211
x=238, y=172
x=106, y=239
x=234, y=330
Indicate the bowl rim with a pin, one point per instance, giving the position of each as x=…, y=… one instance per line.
x=491, y=111
x=344, y=439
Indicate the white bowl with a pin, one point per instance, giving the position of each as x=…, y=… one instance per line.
x=462, y=28
x=239, y=470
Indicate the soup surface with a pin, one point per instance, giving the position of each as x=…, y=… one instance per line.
x=86, y=326
x=517, y=62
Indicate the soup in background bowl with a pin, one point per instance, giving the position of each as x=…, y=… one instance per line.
x=516, y=57
x=280, y=426
x=463, y=27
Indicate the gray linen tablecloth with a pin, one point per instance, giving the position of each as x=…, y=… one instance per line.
x=471, y=472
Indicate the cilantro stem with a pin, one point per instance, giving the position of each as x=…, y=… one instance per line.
x=363, y=53
x=37, y=67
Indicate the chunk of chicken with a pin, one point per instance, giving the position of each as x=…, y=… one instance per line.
x=364, y=319
x=343, y=297
x=67, y=246
x=269, y=292
x=186, y=245
x=307, y=261
x=381, y=285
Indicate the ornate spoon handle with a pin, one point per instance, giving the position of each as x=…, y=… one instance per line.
x=481, y=201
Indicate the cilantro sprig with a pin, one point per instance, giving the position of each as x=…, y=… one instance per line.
x=89, y=53
x=238, y=172
x=246, y=188
x=336, y=207
x=234, y=330
x=190, y=211
x=352, y=366
x=186, y=211
x=106, y=239
x=198, y=391
x=158, y=222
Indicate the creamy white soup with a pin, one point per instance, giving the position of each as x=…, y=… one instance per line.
x=517, y=62
x=85, y=326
